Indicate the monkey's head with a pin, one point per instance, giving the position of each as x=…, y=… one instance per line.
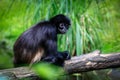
x=61, y=22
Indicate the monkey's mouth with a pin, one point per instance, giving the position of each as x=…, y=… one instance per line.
x=63, y=31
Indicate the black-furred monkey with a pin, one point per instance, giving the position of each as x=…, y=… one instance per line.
x=39, y=43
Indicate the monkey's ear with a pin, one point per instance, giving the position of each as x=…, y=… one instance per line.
x=37, y=56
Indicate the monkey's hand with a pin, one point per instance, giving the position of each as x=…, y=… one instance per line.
x=61, y=57
x=57, y=59
x=64, y=55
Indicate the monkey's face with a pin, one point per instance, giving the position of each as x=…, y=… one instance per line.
x=61, y=23
x=63, y=27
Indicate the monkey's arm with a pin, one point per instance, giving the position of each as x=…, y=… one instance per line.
x=50, y=51
x=51, y=54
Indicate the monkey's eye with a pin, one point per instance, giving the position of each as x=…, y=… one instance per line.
x=62, y=25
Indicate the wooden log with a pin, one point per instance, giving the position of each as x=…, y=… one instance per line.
x=92, y=61
x=77, y=64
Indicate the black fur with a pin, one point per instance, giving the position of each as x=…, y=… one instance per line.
x=42, y=37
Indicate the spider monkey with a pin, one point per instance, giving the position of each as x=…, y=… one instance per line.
x=39, y=43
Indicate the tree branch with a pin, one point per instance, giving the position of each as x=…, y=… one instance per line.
x=92, y=61
x=77, y=64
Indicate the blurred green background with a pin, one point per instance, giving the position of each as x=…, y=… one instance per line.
x=95, y=25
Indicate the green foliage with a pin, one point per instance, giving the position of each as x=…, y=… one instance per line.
x=47, y=71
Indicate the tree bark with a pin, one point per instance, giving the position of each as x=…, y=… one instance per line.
x=77, y=64
x=92, y=61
